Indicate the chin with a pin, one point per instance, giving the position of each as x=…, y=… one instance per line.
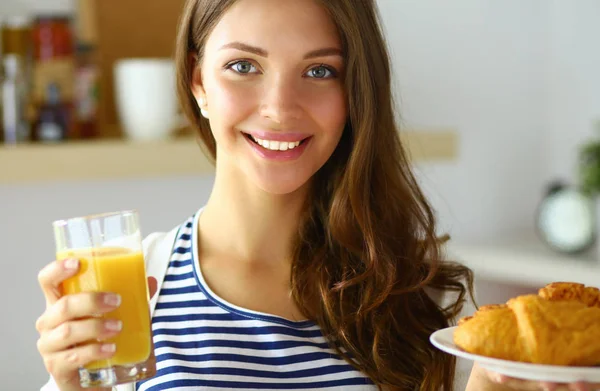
x=282, y=187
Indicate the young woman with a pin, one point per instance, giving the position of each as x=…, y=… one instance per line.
x=315, y=261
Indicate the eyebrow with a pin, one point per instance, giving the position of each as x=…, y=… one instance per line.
x=331, y=51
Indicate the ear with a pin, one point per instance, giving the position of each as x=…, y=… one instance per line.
x=196, y=77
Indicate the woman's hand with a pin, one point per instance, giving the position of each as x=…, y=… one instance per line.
x=70, y=322
x=508, y=383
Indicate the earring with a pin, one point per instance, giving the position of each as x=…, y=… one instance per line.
x=202, y=104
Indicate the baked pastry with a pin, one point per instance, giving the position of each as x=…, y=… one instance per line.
x=559, y=326
x=571, y=291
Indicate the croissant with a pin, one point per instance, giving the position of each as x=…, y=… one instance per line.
x=558, y=326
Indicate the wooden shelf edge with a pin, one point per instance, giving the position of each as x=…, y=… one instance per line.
x=440, y=145
x=106, y=159
x=118, y=159
x=530, y=264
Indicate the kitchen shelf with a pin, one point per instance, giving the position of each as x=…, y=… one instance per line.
x=526, y=262
x=114, y=159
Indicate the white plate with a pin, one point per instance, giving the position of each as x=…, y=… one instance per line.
x=442, y=339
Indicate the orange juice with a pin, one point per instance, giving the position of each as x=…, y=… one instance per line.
x=121, y=271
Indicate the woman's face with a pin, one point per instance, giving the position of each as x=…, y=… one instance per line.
x=272, y=80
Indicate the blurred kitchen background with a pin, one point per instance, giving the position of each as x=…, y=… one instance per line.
x=497, y=99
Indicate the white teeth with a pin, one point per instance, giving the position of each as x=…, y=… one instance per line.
x=276, y=145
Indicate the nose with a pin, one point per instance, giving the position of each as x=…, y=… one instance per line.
x=280, y=103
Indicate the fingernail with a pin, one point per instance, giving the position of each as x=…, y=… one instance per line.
x=113, y=325
x=71, y=264
x=108, y=348
x=112, y=299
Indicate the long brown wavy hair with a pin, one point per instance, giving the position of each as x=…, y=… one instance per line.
x=366, y=253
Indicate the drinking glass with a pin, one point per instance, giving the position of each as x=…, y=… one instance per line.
x=109, y=249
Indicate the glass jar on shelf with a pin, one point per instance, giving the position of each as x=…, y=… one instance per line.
x=52, y=37
x=53, y=77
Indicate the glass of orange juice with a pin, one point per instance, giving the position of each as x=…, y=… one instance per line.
x=109, y=249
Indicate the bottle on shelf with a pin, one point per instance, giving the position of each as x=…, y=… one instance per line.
x=86, y=92
x=52, y=124
x=16, y=128
x=16, y=41
x=53, y=77
x=87, y=70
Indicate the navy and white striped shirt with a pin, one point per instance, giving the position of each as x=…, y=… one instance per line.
x=205, y=343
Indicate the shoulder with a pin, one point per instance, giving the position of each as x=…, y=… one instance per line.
x=152, y=240
x=157, y=247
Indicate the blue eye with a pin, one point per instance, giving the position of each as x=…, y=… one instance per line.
x=321, y=72
x=242, y=67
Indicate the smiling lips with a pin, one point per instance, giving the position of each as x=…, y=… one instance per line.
x=278, y=142
x=278, y=146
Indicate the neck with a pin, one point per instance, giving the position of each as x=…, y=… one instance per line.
x=245, y=223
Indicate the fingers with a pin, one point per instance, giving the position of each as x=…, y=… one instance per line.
x=515, y=384
x=577, y=386
x=76, y=306
x=62, y=365
x=76, y=333
x=583, y=386
x=152, y=286
x=51, y=276
x=549, y=386
x=523, y=385
x=526, y=385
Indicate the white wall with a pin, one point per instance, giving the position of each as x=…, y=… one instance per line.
x=573, y=76
x=475, y=65
x=518, y=79
x=20, y=7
